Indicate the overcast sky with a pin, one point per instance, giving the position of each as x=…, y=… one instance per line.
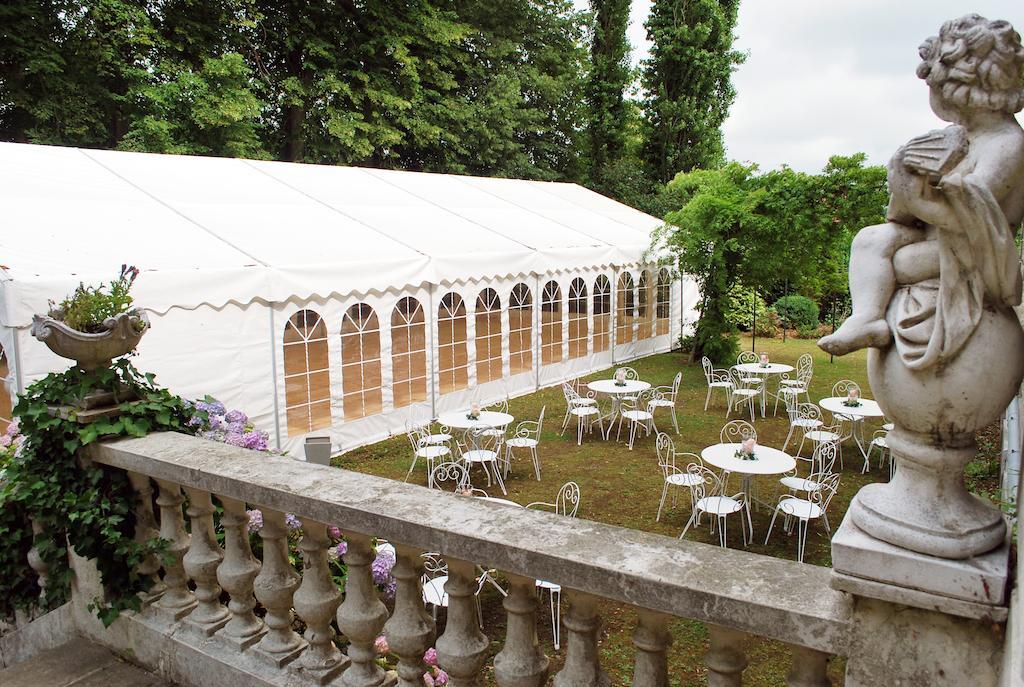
x=826, y=77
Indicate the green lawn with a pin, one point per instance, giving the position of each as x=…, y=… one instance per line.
x=623, y=488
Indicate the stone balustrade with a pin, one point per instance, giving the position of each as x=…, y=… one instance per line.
x=735, y=592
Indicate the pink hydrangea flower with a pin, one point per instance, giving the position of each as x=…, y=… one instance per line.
x=440, y=677
x=334, y=531
x=428, y=679
x=380, y=645
x=430, y=656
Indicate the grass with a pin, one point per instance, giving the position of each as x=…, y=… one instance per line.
x=623, y=488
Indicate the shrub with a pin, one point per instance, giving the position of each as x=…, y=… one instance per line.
x=808, y=332
x=768, y=325
x=797, y=312
x=737, y=309
x=87, y=308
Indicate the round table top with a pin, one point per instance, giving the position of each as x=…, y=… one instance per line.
x=867, y=407
x=607, y=386
x=488, y=418
x=770, y=461
x=504, y=502
x=772, y=369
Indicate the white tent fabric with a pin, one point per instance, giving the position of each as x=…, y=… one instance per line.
x=231, y=249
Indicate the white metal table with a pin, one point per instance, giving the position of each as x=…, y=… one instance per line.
x=764, y=371
x=770, y=461
x=631, y=387
x=867, y=408
x=503, y=502
x=459, y=419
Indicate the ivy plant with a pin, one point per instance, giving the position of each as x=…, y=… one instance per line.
x=88, y=506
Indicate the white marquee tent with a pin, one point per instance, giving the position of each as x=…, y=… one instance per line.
x=333, y=299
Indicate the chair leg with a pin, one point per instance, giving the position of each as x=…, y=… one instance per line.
x=707, y=399
x=770, y=526
x=579, y=430
x=664, y=493
x=801, y=528
x=536, y=461
x=675, y=420
x=689, y=522
x=788, y=437
x=497, y=477
x=556, y=616
x=722, y=538
x=413, y=467
x=632, y=434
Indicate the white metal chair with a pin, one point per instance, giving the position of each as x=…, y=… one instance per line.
x=745, y=358
x=804, y=362
x=586, y=415
x=584, y=397
x=422, y=448
x=736, y=432
x=435, y=575
x=744, y=391
x=804, y=510
x=450, y=472
x=638, y=412
x=672, y=474
x=803, y=417
x=880, y=441
x=483, y=448
x=567, y=503
x=527, y=436
x=665, y=397
x=497, y=407
x=800, y=387
x=708, y=497
x=717, y=379
x=442, y=437
x=823, y=462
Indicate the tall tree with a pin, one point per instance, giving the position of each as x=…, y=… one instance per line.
x=607, y=118
x=687, y=84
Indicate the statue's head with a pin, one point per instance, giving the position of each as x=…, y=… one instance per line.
x=974, y=64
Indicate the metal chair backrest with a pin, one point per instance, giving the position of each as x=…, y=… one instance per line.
x=824, y=455
x=747, y=357
x=709, y=369
x=482, y=439
x=498, y=406
x=433, y=565
x=736, y=432
x=451, y=472
x=843, y=387
x=666, y=449
x=828, y=485
x=568, y=500
x=540, y=421
x=630, y=373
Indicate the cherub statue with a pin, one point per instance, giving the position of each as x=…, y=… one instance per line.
x=933, y=290
x=923, y=278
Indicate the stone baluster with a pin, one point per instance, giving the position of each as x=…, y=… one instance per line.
x=581, y=667
x=201, y=562
x=809, y=668
x=145, y=530
x=410, y=628
x=316, y=601
x=462, y=648
x=521, y=663
x=236, y=575
x=176, y=600
x=275, y=586
x=725, y=657
x=36, y=562
x=651, y=639
x=361, y=617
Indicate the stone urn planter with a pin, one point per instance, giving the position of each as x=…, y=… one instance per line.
x=90, y=351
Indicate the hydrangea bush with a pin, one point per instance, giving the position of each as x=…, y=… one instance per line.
x=217, y=423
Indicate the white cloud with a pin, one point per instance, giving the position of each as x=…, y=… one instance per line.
x=826, y=77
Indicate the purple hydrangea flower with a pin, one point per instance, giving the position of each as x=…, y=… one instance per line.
x=341, y=548
x=5, y=441
x=381, y=566
x=390, y=588
x=440, y=677
x=236, y=427
x=12, y=427
x=292, y=522
x=235, y=439
x=213, y=407
x=430, y=656
x=255, y=440
x=236, y=416
x=255, y=520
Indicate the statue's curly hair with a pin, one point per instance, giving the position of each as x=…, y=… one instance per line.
x=976, y=63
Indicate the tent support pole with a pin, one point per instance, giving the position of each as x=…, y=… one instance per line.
x=433, y=353
x=537, y=324
x=273, y=371
x=19, y=377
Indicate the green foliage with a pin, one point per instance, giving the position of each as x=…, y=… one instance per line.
x=90, y=506
x=769, y=325
x=610, y=74
x=797, y=312
x=687, y=81
x=87, y=308
x=739, y=313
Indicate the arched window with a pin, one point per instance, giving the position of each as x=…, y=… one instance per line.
x=5, y=391
x=644, y=313
x=408, y=353
x=662, y=309
x=488, y=336
x=602, y=314
x=307, y=380
x=452, y=358
x=551, y=324
x=578, y=318
x=360, y=362
x=520, y=330
x=624, y=310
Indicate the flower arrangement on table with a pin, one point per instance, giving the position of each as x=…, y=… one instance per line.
x=764, y=360
x=746, y=450
x=620, y=377
x=852, y=399
x=474, y=412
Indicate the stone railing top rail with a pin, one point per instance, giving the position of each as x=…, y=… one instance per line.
x=780, y=599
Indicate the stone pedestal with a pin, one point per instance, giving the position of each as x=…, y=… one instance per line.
x=949, y=613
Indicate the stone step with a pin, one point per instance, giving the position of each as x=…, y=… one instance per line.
x=79, y=663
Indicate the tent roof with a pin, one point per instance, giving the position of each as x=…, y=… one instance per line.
x=219, y=230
